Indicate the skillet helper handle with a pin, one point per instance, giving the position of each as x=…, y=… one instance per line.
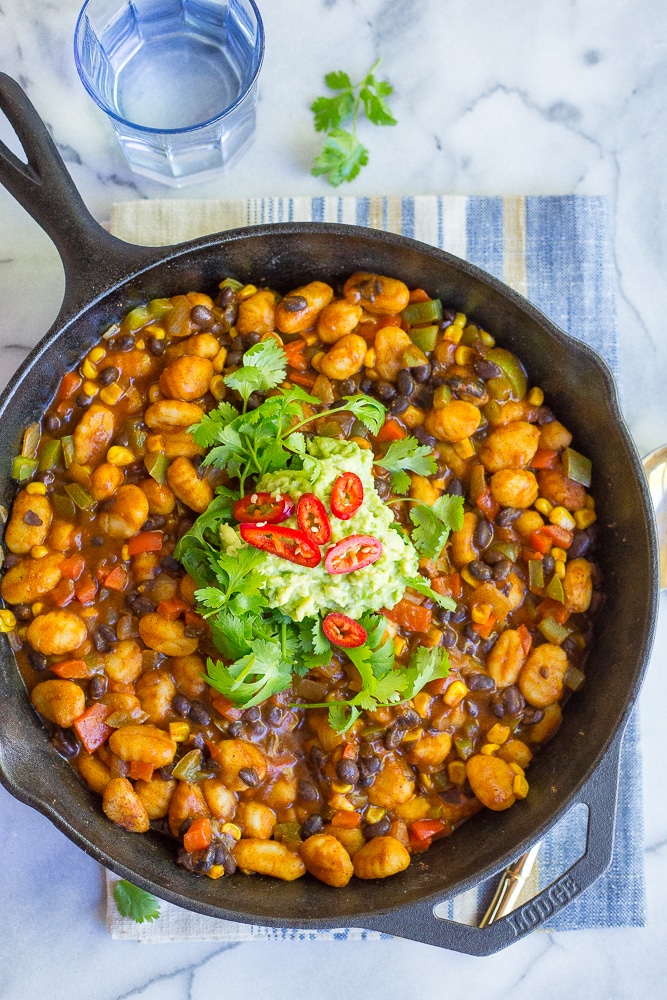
x=91, y=256
x=419, y=922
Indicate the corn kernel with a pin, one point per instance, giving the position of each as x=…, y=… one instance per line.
x=88, y=370
x=456, y=772
x=37, y=607
x=361, y=442
x=369, y=358
x=118, y=455
x=7, y=620
x=480, y=613
x=155, y=331
x=536, y=397
x=543, y=506
x=455, y=693
x=464, y=355
x=374, y=814
x=489, y=749
x=218, y=387
x=155, y=442
x=413, y=734
x=453, y=333
x=464, y=449
x=215, y=871
x=90, y=388
x=559, y=553
x=232, y=830
x=498, y=733
x=584, y=518
x=36, y=489
x=468, y=577
x=154, y=393
x=97, y=354
x=520, y=787
x=39, y=551
x=219, y=360
x=245, y=292
x=399, y=645
x=559, y=569
x=110, y=394
x=140, y=344
x=562, y=517
x=341, y=787
x=179, y=731
x=310, y=338
x=413, y=416
x=487, y=339
x=590, y=502
x=460, y=320
x=516, y=768
x=425, y=781
x=422, y=703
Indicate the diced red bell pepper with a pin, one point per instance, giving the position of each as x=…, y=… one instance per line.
x=346, y=820
x=449, y=585
x=560, y=536
x=391, y=431
x=172, y=608
x=349, y=751
x=413, y=617
x=425, y=829
x=145, y=541
x=85, y=589
x=69, y=384
x=438, y=686
x=526, y=638
x=140, y=771
x=306, y=379
x=545, y=458
x=419, y=295
x=71, y=669
x=485, y=502
x=295, y=358
x=553, y=609
x=226, y=708
x=199, y=835
x=485, y=629
x=116, y=579
x=73, y=566
x=540, y=541
x=62, y=594
x=91, y=727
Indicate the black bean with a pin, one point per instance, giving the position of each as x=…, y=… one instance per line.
x=569, y=646
x=98, y=687
x=199, y=743
x=225, y=297
x=424, y=437
x=513, y=700
x=37, y=660
x=185, y=860
x=532, y=715
x=97, y=540
x=51, y=423
x=32, y=519
x=365, y=385
x=544, y=416
x=202, y=316
x=250, y=777
x=548, y=564
x=385, y=390
x=205, y=860
x=308, y=790
x=379, y=829
x=181, y=705
x=393, y=737
x=483, y=534
x=405, y=382
x=408, y=719
x=399, y=405
x=423, y=397
x=468, y=646
x=252, y=714
x=471, y=707
x=312, y=825
x=275, y=716
x=234, y=358
x=250, y=339
x=448, y=317
x=199, y=713
x=507, y=516
x=46, y=477
x=479, y=570
x=370, y=763
x=502, y=569
x=143, y=606
x=104, y=638
x=347, y=771
x=229, y=864
x=255, y=399
x=449, y=637
x=459, y=615
x=83, y=401
x=172, y=566
x=294, y=303
x=480, y=682
x=317, y=756
x=154, y=523
x=11, y=559
x=108, y=375
x=487, y=369
x=64, y=743
x=463, y=386
x=155, y=346
x=492, y=556
x=581, y=543
x=498, y=707
x=258, y=731
x=124, y=343
x=164, y=773
x=347, y=387
x=455, y=488
x=235, y=729
x=22, y=611
x=421, y=373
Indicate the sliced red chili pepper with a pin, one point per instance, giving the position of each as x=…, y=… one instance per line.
x=353, y=552
x=287, y=543
x=343, y=631
x=347, y=495
x=263, y=507
x=312, y=518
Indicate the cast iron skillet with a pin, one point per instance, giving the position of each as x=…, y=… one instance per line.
x=104, y=277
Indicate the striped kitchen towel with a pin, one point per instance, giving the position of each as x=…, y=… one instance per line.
x=557, y=252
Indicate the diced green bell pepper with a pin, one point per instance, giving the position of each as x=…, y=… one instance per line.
x=156, y=466
x=553, y=631
x=23, y=468
x=577, y=467
x=422, y=312
x=50, y=455
x=535, y=574
x=425, y=337
x=81, y=497
x=512, y=370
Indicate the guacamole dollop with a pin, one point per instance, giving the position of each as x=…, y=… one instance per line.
x=303, y=592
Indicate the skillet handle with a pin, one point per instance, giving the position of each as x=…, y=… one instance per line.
x=420, y=923
x=93, y=259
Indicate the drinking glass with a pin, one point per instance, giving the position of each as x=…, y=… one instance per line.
x=177, y=78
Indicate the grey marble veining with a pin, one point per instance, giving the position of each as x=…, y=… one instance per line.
x=518, y=97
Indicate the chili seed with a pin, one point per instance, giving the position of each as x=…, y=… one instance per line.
x=385, y=390
x=98, y=687
x=379, y=829
x=399, y=405
x=294, y=303
x=312, y=825
x=483, y=534
x=308, y=790
x=507, y=516
x=181, y=705
x=249, y=776
x=502, y=569
x=198, y=713
x=479, y=570
x=480, y=682
x=405, y=382
x=347, y=771
x=64, y=743
x=487, y=369
x=108, y=375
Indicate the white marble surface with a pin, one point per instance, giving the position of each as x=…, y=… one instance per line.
x=519, y=97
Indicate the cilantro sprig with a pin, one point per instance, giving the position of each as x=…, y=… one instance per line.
x=135, y=903
x=433, y=524
x=404, y=456
x=343, y=154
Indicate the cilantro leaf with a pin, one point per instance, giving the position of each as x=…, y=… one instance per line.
x=407, y=454
x=135, y=903
x=338, y=80
x=369, y=411
x=331, y=112
x=264, y=368
x=421, y=585
x=424, y=665
x=433, y=524
x=254, y=677
x=206, y=433
x=342, y=157
x=376, y=108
